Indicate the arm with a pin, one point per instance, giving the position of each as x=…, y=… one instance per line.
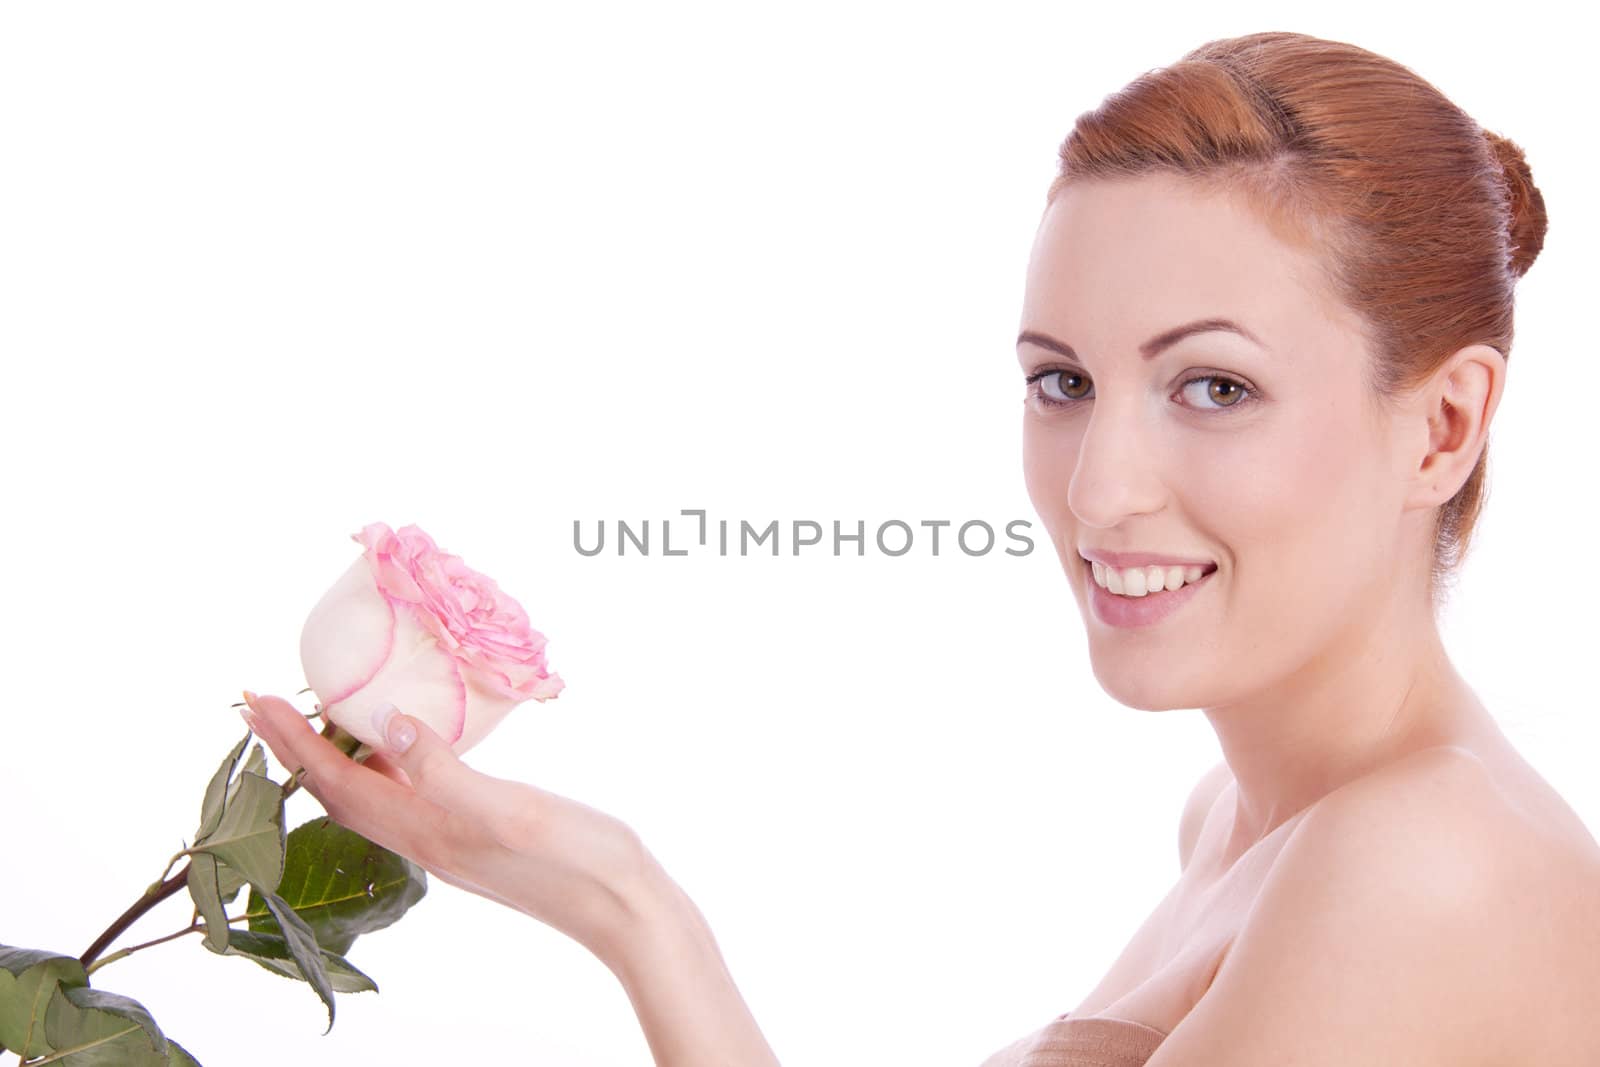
x=571, y=866
x=690, y=1010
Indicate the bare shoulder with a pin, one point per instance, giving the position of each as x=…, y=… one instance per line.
x=1497, y=874
x=1441, y=817
x=1202, y=798
x=1418, y=915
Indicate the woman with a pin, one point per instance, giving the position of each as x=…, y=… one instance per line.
x=1264, y=336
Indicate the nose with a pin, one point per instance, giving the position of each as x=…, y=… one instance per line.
x=1116, y=476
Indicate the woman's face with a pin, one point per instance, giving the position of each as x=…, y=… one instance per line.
x=1264, y=457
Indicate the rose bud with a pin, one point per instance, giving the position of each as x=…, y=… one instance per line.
x=413, y=626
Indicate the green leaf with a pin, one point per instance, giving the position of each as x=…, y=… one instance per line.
x=93, y=1028
x=249, y=836
x=256, y=762
x=237, y=838
x=205, y=889
x=217, y=790
x=178, y=1056
x=28, y=978
x=341, y=884
x=229, y=882
x=303, y=949
x=272, y=952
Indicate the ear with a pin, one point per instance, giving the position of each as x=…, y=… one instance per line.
x=1455, y=409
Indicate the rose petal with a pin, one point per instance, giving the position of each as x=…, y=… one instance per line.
x=347, y=636
x=419, y=678
x=462, y=620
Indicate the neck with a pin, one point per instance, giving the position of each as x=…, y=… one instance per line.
x=1377, y=693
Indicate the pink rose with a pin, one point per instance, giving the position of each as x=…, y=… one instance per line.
x=413, y=626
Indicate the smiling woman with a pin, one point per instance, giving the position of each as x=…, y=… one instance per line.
x=1265, y=331
x=1266, y=327
x=675, y=316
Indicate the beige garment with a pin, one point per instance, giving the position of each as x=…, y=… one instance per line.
x=1086, y=1042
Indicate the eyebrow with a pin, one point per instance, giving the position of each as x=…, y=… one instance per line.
x=1151, y=348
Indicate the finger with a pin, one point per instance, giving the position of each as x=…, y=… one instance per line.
x=283, y=728
x=275, y=721
x=387, y=767
x=435, y=771
x=267, y=720
x=358, y=797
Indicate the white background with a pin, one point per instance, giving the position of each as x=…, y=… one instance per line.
x=271, y=272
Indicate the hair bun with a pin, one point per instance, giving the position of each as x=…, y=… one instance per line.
x=1526, y=222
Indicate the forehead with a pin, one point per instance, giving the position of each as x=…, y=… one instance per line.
x=1116, y=262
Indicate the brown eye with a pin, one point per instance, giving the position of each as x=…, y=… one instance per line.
x=1223, y=391
x=1220, y=392
x=1061, y=391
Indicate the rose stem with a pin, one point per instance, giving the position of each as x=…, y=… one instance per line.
x=159, y=891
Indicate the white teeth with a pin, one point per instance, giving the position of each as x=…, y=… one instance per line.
x=1141, y=581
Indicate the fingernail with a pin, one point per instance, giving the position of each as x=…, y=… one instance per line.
x=399, y=733
x=250, y=698
x=249, y=719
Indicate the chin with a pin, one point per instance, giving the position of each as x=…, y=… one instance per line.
x=1132, y=684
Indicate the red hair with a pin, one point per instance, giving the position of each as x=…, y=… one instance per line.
x=1422, y=220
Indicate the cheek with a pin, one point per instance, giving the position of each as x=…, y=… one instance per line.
x=1290, y=502
x=1048, y=459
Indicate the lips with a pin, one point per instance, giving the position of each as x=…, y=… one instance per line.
x=1140, y=613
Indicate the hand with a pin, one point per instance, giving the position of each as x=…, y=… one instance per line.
x=568, y=865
